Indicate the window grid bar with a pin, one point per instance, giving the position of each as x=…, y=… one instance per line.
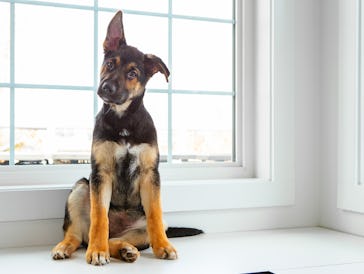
x=40, y=86
x=12, y=89
x=94, y=88
x=233, y=101
x=126, y=11
x=359, y=95
x=272, y=14
x=96, y=59
x=199, y=18
x=192, y=92
x=170, y=99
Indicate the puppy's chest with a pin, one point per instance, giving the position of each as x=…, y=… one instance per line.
x=125, y=163
x=127, y=172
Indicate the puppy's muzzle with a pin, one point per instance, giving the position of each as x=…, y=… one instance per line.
x=107, y=88
x=108, y=92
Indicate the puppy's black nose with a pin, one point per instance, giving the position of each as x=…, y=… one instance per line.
x=108, y=87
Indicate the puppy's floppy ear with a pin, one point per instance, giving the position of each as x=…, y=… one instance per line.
x=115, y=33
x=153, y=64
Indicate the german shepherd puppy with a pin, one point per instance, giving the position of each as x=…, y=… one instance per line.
x=118, y=210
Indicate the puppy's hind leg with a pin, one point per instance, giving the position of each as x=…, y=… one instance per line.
x=127, y=247
x=76, y=221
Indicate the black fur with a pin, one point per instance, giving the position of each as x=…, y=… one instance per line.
x=137, y=121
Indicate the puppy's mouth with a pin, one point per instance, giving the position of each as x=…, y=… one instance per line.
x=119, y=99
x=113, y=102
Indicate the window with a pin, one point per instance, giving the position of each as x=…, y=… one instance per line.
x=50, y=58
x=261, y=103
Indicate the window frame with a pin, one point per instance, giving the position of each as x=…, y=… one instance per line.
x=229, y=189
x=351, y=104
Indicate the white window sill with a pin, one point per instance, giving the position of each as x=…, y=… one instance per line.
x=48, y=201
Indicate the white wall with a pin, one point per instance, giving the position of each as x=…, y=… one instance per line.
x=331, y=216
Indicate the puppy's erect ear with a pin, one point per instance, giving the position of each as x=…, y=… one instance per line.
x=153, y=64
x=115, y=33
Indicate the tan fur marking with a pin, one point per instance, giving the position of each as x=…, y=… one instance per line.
x=148, y=157
x=132, y=65
x=103, y=70
x=103, y=153
x=134, y=87
x=120, y=109
x=117, y=61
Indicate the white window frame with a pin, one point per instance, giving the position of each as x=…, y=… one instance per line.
x=351, y=107
x=45, y=196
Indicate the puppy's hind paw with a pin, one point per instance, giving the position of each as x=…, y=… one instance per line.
x=129, y=254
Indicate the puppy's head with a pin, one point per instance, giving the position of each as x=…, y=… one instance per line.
x=125, y=70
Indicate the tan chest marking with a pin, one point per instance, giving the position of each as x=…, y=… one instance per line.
x=146, y=156
x=108, y=153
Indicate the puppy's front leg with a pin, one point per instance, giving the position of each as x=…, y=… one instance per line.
x=98, y=246
x=100, y=196
x=151, y=201
x=150, y=194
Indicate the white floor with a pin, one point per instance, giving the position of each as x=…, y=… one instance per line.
x=289, y=251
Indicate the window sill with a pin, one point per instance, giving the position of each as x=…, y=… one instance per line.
x=47, y=201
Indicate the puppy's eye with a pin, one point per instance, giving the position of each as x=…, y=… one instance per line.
x=131, y=75
x=110, y=65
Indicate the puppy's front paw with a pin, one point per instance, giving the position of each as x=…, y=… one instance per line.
x=166, y=251
x=97, y=257
x=63, y=250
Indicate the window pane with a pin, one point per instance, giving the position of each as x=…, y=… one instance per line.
x=147, y=33
x=204, y=8
x=53, y=126
x=4, y=42
x=202, y=56
x=202, y=128
x=140, y=5
x=4, y=126
x=157, y=106
x=53, y=45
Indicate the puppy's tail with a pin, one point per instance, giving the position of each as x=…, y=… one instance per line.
x=176, y=232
